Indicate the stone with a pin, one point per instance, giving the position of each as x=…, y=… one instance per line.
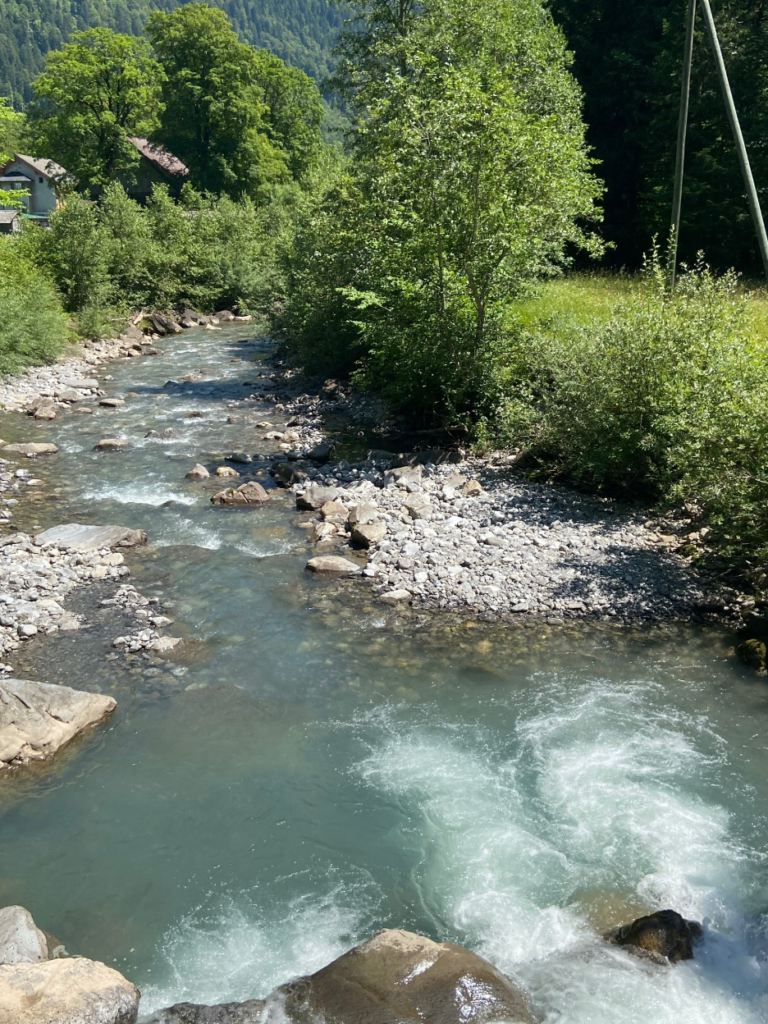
x=753, y=653
x=249, y=1012
x=112, y=444
x=321, y=452
x=333, y=564
x=250, y=493
x=395, y=596
x=31, y=448
x=363, y=514
x=665, y=934
x=81, y=384
x=198, y=472
x=37, y=719
x=287, y=474
x=111, y=403
x=471, y=489
x=315, y=496
x=91, y=538
x=163, y=644
x=380, y=456
x=333, y=508
x=365, y=535
x=418, y=507
x=226, y=471
x=68, y=395
x=43, y=409
x=21, y=941
x=408, y=474
x=398, y=977
x=164, y=324
x=66, y=991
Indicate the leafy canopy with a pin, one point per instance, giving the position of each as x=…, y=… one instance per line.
x=94, y=93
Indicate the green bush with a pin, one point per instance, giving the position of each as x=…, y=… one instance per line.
x=664, y=398
x=33, y=327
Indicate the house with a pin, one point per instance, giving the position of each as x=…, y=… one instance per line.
x=156, y=166
x=41, y=178
x=10, y=222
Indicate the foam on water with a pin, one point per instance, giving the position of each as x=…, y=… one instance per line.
x=150, y=493
x=595, y=790
x=234, y=950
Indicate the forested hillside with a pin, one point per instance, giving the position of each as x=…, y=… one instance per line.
x=300, y=31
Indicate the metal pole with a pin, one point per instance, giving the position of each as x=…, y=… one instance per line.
x=730, y=106
x=682, y=128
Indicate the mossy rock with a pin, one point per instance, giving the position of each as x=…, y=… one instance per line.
x=753, y=653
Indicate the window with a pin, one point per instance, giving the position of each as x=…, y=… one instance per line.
x=41, y=181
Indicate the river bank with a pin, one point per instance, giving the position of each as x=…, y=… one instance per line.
x=316, y=763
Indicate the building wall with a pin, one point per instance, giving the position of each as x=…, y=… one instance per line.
x=42, y=190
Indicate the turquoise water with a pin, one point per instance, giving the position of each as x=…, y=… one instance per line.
x=315, y=767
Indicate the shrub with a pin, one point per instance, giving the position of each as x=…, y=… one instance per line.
x=33, y=327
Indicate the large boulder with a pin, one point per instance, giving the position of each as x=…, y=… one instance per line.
x=163, y=324
x=286, y=474
x=112, y=444
x=333, y=565
x=66, y=991
x=21, y=941
x=251, y=493
x=249, y=1012
x=91, y=538
x=365, y=535
x=43, y=409
x=397, y=977
x=37, y=719
x=665, y=934
x=315, y=496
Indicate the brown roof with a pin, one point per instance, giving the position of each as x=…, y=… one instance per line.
x=159, y=156
x=48, y=168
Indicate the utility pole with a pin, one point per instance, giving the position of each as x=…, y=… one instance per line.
x=738, y=138
x=682, y=129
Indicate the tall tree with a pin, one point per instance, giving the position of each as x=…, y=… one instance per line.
x=94, y=93
x=215, y=116
x=470, y=176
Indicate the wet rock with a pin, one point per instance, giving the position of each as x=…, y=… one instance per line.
x=80, y=383
x=112, y=444
x=380, y=456
x=753, y=653
x=225, y=1013
x=31, y=448
x=321, y=452
x=198, y=472
x=664, y=934
x=21, y=941
x=315, y=496
x=66, y=991
x=395, y=596
x=164, y=644
x=287, y=474
x=226, y=471
x=91, y=538
x=365, y=535
x=68, y=395
x=37, y=719
x=397, y=977
x=111, y=403
x=250, y=493
x=164, y=324
x=242, y=458
x=333, y=564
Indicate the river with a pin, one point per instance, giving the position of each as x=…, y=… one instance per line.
x=316, y=766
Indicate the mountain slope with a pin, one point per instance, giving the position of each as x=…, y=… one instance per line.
x=300, y=31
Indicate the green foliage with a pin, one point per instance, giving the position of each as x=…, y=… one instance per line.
x=663, y=398
x=238, y=117
x=94, y=93
x=468, y=178
x=301, y=32
x=11, y=129
x=33, y=328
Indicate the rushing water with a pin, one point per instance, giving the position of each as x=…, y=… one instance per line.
x=315, y=767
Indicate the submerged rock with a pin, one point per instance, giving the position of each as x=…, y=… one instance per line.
x=753, y=652
x=37, y=719
x=112, y=444
x=664, y=934
x=66, y=991
x=198, y=472
x=397, y=977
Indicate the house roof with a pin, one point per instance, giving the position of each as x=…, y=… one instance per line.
x=159, y=156
x=48, y=168
x=8, y=216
